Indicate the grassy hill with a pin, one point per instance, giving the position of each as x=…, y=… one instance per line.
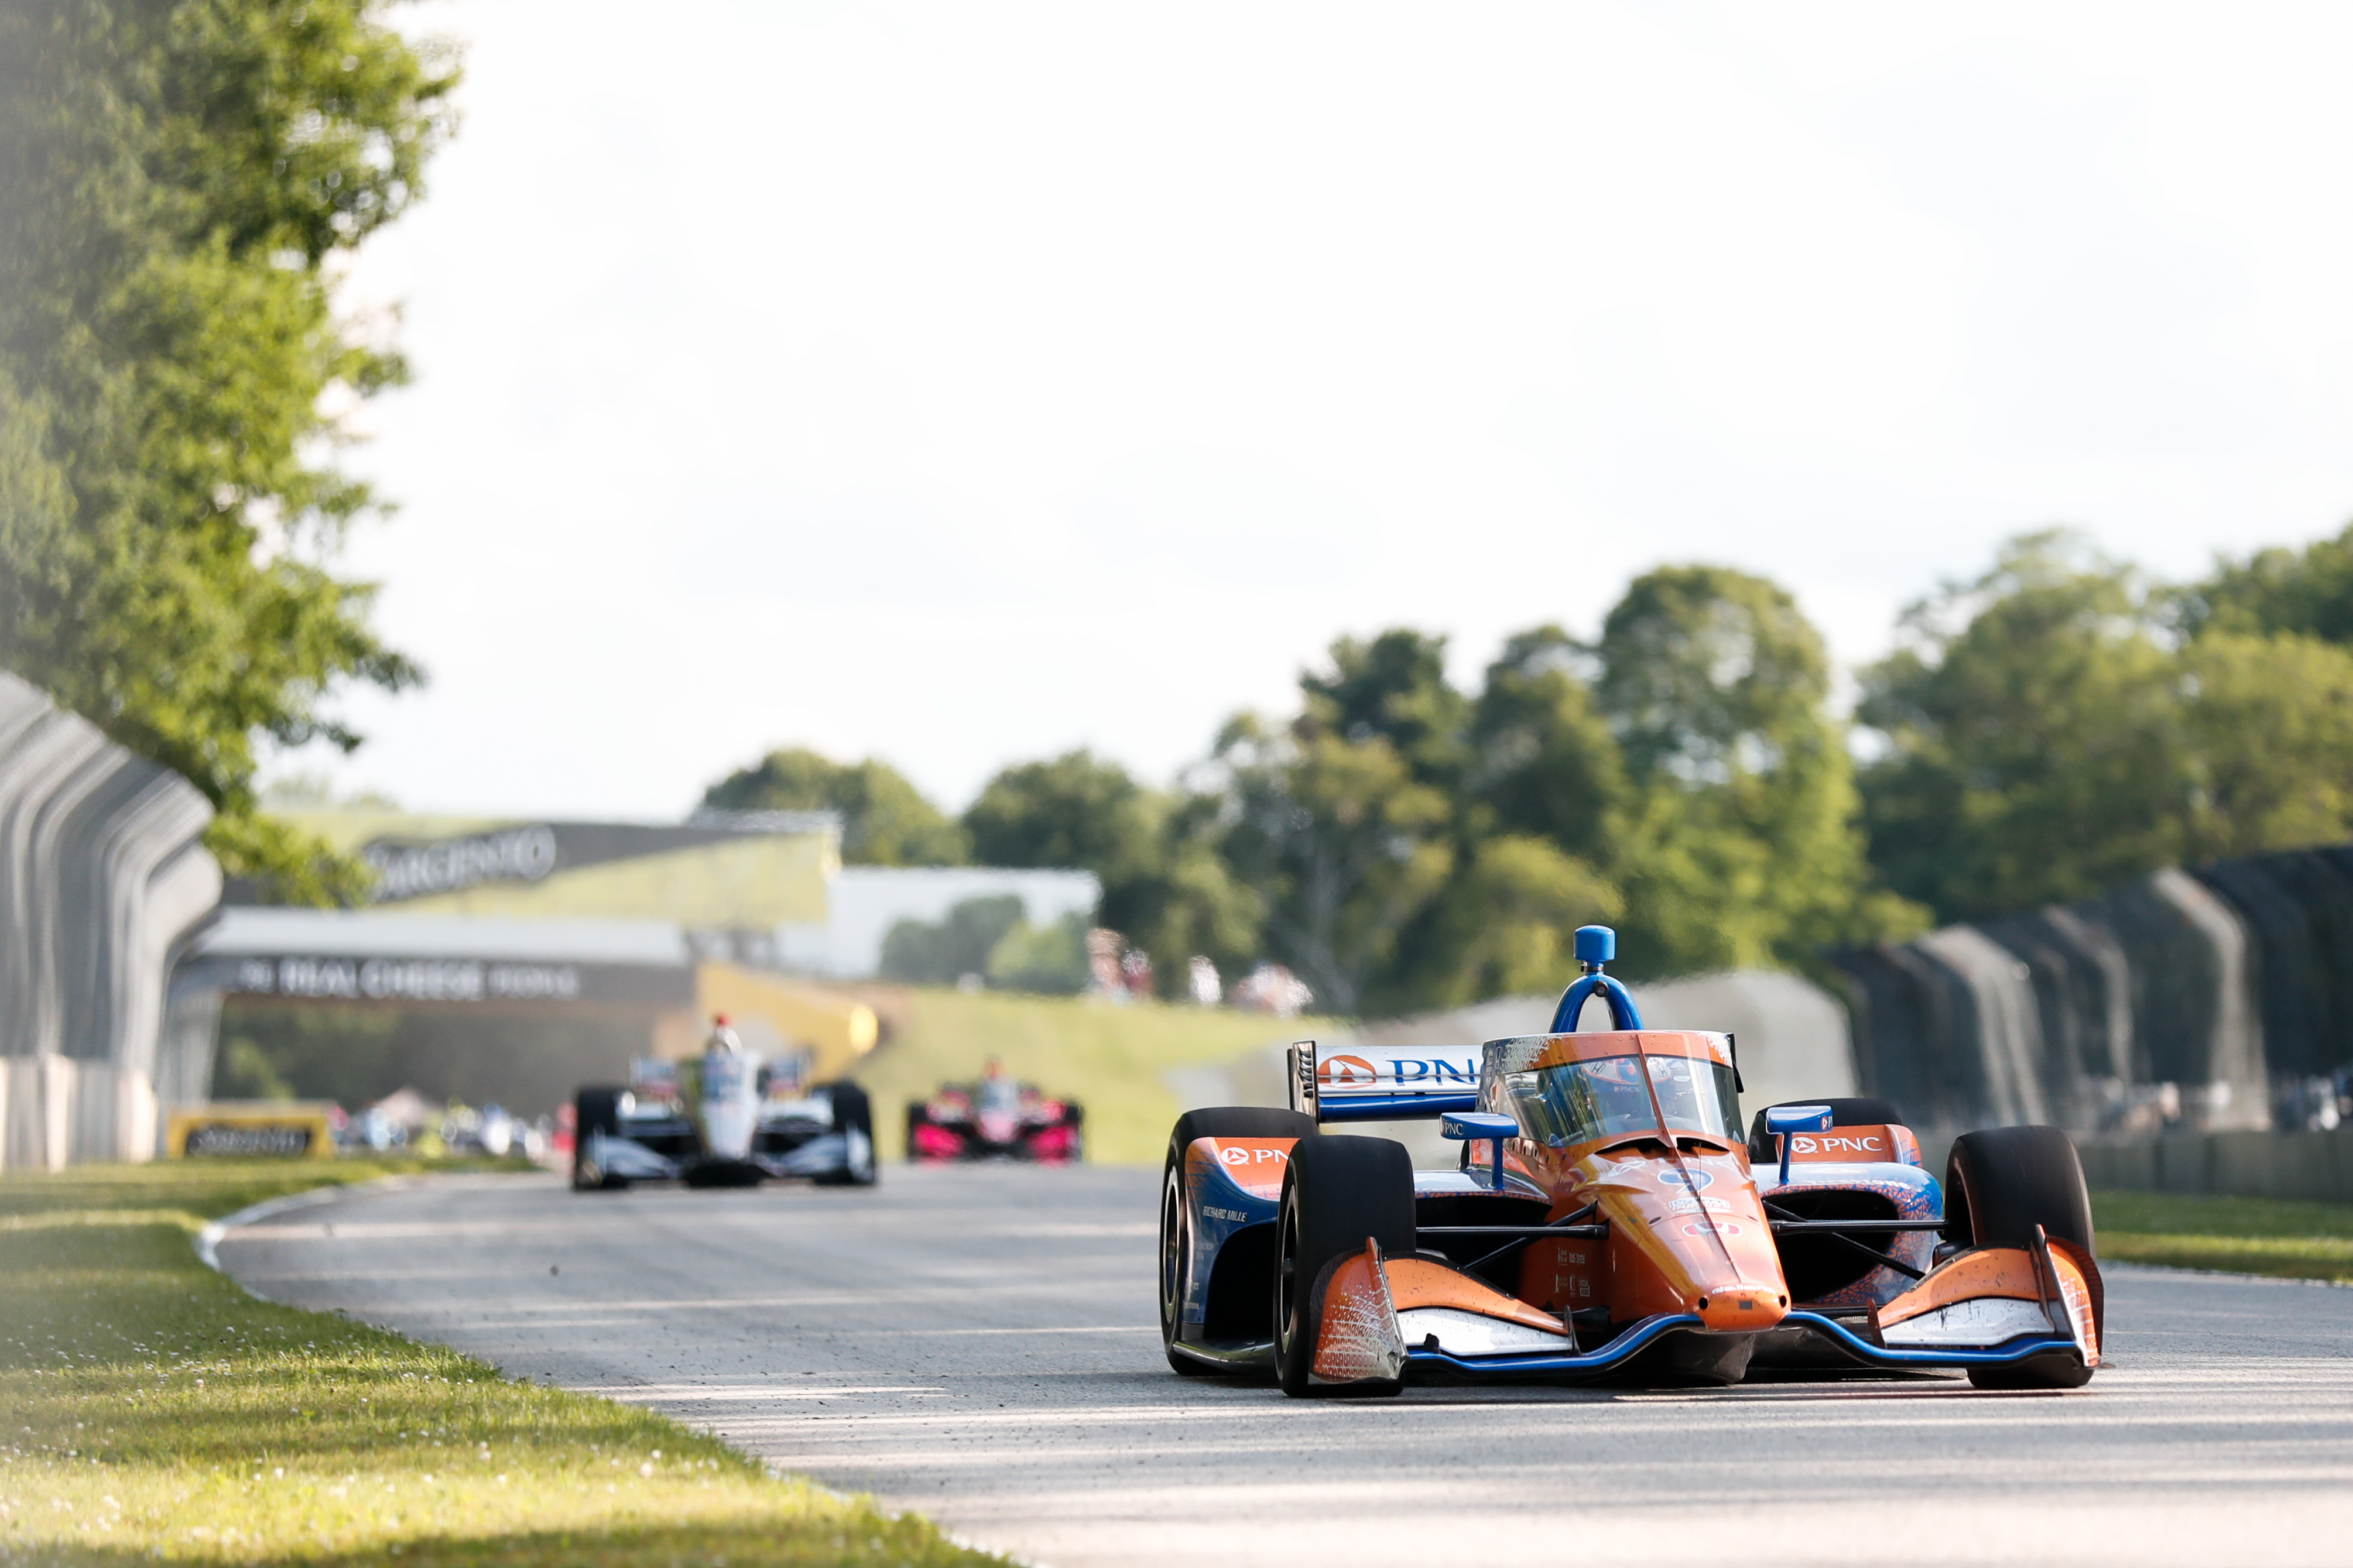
x=1108, y=1058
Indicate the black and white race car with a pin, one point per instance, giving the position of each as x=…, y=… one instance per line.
x=721, y=1119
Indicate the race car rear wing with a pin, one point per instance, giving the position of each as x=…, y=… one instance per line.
x=1387, y=1083
x=1383, y=1083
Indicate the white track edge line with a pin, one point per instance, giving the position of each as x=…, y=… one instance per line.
x=209, y=1238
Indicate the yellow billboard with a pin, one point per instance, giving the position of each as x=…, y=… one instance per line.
x=251, y=1130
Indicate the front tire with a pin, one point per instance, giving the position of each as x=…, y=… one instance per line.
x=852, y=1113
x=1337, y=1194
x=1999, y=1185
x=1175, y=1231
x=2002, y=1182
x=595, y=1110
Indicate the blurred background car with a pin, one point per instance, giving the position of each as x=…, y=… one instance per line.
x=995, y=1118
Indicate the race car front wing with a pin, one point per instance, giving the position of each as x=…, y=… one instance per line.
x=629, y=1160
x=1987, y=1308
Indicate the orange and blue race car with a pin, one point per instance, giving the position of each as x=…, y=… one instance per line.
x=1610, y=1219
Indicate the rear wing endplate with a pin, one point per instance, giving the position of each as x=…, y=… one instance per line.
x=1382, y=1083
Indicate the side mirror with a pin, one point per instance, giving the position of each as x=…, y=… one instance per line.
x=1477, y=1127
x=1785, y=1120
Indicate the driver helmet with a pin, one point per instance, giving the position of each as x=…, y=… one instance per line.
x=722, y=1041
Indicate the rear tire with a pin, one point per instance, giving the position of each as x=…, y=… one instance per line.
x=2001, y=1182
x=1175, y=1238
x=595, y=1110
x=1337, y=1194
x=1847, y=1110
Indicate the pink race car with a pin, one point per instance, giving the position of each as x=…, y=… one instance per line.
x=995, y=1119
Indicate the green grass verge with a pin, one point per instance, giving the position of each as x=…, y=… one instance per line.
x=1107, y=1058
x=150, y=1409
x=2277, y=1236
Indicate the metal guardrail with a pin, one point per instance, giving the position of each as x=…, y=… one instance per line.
x=102, y=878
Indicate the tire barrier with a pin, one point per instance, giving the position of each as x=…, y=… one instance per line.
x=2208, y=1000
x=101, y=880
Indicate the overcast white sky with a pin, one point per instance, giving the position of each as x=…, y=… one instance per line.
x=962, y=384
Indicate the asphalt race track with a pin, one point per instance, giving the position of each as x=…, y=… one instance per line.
x=979, y=1344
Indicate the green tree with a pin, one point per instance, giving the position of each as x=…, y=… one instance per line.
x=1343, y=846
x=1393, y=688
x=1165, y=885
x=1544, y=761
x=1076, y=810
x=1049, y=960
x=179, y=177
x=2308, y=592
x=2035, y=745
x=1506, y=921
x=1742, y=845
x=2270, y=727
x=885, y=820
x=916, y=953
x=2050, y=733
x=1535, y=787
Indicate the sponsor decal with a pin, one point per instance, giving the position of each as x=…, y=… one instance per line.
x=279, y=1142
x=1697, y=1181
x=1233, y=1156
x=408, y=979
x=1438, y=1069
x=1723, y=1228
x=1863, y=1145
x=1354, y=1072
x=1216, y=1213
x=1694, y=1205
x=409, y=871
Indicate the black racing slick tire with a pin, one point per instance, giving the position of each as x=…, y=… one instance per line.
x=852, y=1111
x=2001, y=1182
x=1337, y=1194
x=1846, y=1110
x=1176, y=1243
x=595, y=1110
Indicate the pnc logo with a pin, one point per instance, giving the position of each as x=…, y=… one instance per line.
x=1347, y=1072
x=1233, y=1156
x=1837, y=1143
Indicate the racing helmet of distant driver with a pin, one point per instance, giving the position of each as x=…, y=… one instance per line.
x=723, y=1041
